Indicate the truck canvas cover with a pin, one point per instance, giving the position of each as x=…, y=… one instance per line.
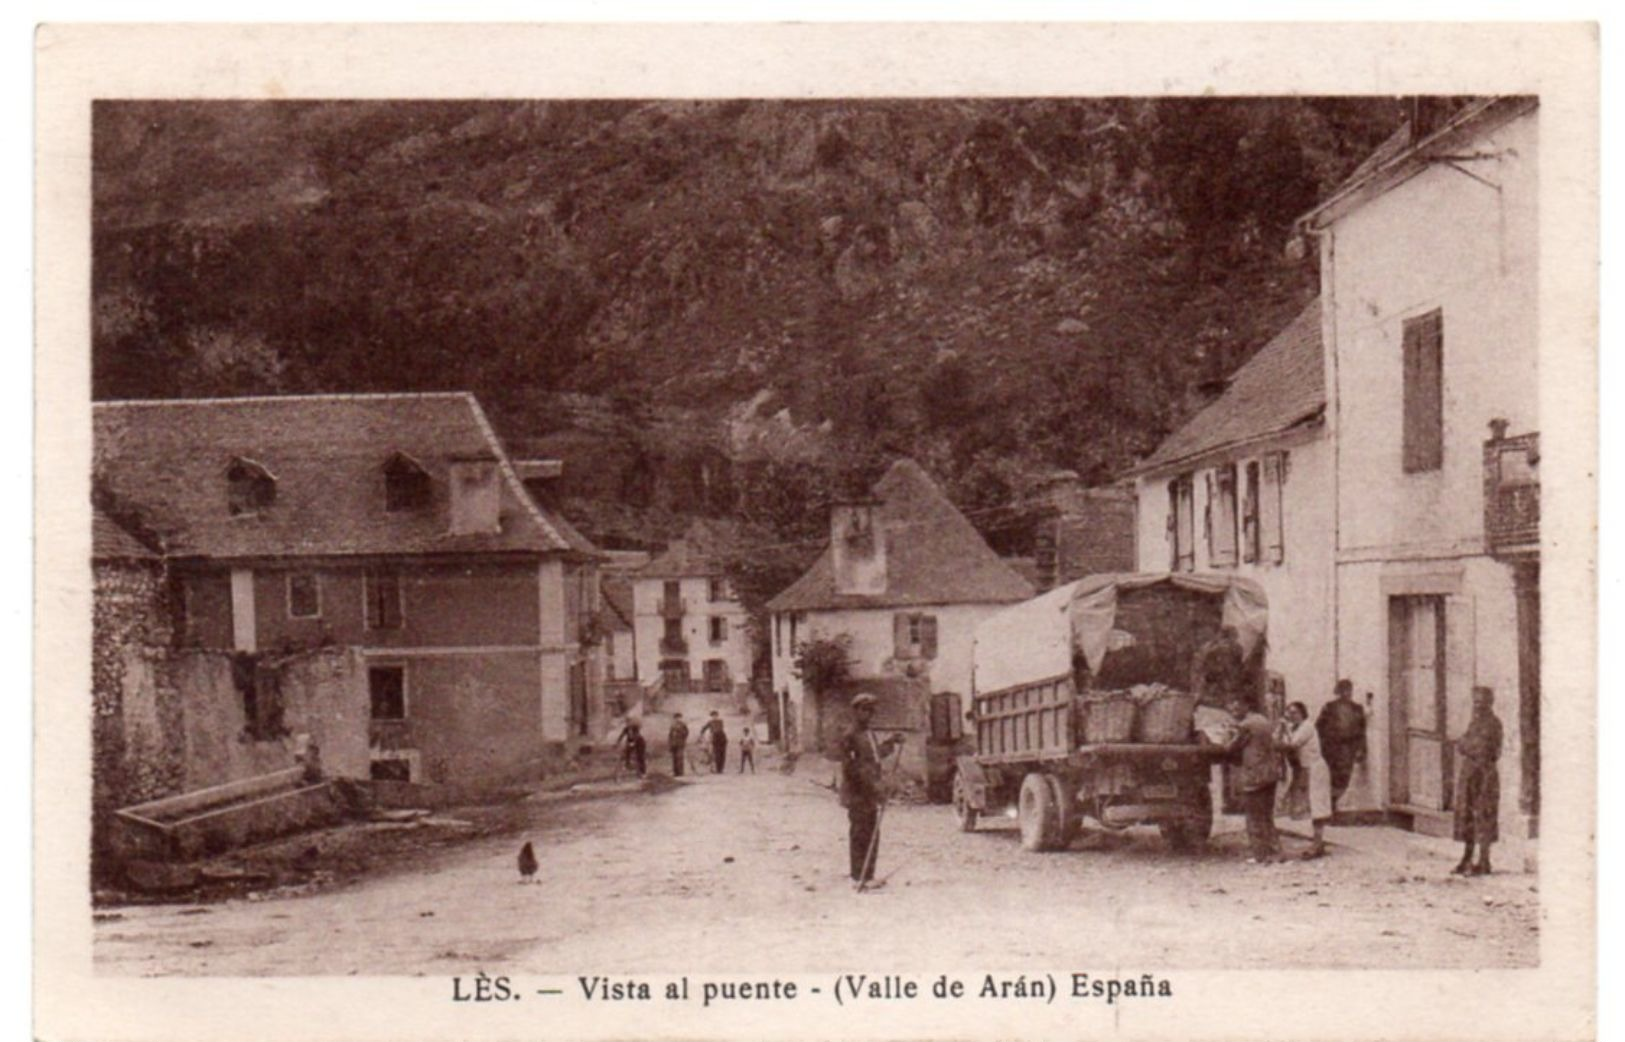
x=1034, y=640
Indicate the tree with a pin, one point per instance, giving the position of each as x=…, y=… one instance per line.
x=823, y=663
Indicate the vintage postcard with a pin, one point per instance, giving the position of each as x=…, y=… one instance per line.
x=820, y=531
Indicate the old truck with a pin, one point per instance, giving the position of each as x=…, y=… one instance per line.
x=1084, y=705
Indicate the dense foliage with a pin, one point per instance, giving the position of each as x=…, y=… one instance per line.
x=996, y=287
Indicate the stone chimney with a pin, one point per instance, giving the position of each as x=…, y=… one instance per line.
x=476, y=495
x=857, y=542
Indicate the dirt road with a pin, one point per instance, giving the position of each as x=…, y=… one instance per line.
x=730, y=873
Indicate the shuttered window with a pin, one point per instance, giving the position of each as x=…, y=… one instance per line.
x=1221, y=505
x=914, y=635
x=1270, y=522
x=1424, y=392
x=1182, y=523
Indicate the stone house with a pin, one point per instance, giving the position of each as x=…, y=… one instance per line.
x=1430, y=283
x=906, y=578
x=386, y=535
x=690, y=629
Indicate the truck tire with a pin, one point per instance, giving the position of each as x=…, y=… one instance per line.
x=964, y=813
x=1037, y=813
x=1068, y=818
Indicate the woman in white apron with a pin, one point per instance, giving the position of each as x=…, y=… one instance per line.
x=1310, y=793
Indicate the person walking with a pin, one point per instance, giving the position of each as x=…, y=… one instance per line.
x=634, y=755
x=1254, y=746
x=1478, y=785
x=863, y=790
x=718, y=735
x=677, y=743
x=1341, y=727
x=1309, y=793
x=747, y=750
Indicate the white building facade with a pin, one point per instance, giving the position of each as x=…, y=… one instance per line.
x=1430, y=291
x=689, y=628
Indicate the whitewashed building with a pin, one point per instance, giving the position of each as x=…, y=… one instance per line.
x=1245, y=488
x=1429, y=284
x=907, y=578
x=689, y=628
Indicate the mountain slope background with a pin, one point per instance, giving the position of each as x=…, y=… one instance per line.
x=723, y=308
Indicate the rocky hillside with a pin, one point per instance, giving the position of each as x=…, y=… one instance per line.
x=727, y=307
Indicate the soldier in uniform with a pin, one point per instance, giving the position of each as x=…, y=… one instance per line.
x=862, y=788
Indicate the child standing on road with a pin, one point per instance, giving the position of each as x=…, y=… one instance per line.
x=747, y=751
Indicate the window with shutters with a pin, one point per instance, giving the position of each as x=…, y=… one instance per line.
x=1221, y=516
x=1249, y=512
x=304, y=595
x=1182, y=523
x=914, y=635
x=383, y=594
x=1272, y=542
x=1423, y=441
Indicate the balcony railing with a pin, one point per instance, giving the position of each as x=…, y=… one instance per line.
x=1511, y=491
x=673, y=646
x=673, y=607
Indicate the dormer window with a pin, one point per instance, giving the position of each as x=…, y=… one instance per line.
x=406, y=484
x=250, y=488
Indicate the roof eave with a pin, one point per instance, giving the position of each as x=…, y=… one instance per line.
x=1304, y=428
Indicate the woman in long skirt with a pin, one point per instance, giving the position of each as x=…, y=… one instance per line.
x=1309, y=795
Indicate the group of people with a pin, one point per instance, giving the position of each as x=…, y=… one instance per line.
x=1317, y=762
x=634, y=748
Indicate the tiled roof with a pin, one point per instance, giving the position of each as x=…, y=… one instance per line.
x=933, y=555
x=111, y=541
x=1281, y=386
x=168, y=460
x=617, y=593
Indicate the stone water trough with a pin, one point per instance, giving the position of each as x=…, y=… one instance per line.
x=222, y=817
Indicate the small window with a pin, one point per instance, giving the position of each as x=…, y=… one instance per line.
x=1182, y=523
x=1221, y=516
x=250, y=488
x=406, y=484
x=914, y=635
x=719, y=629
x=383, y=595
x=717, y=588
x=304, y=595
x=1271, y=509
x=387, y=686
x=1423, y=440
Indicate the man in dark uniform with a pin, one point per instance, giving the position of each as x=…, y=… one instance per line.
x=718, y=734
x=677, y=742
x=863, y=789
x=1478, y=785
x=1341, y=727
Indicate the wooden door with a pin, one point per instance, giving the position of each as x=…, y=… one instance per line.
x=1419, y=762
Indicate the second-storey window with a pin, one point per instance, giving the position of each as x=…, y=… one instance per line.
x=1423, y=439
x=1221, y=516
x=1182, y=523
x=304, y=595
x=1249, y=512
x=383, y=594
x=719, y=629
x=914, y=635
x=1271, y=509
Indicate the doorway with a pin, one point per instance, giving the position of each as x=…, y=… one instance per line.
x=1419, y=770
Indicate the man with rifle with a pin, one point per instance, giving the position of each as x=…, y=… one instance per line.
x=863, y=789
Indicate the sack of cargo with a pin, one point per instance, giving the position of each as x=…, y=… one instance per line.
x=1169, y=717
x=1110, y=718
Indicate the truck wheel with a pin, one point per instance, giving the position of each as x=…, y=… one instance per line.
x=964, y=813
x=1068, y=818
x=1036, y=812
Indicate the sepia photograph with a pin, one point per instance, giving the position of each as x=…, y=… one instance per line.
x=785, y=555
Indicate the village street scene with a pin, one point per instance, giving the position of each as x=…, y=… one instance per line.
x=573, y=537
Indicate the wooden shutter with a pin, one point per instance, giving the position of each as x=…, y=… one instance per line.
x=1249, y=514
x=902, y=647
x=1423, y=440
x=1207, y=515
x=928, y=636
x=1173, y=525
x=1270, y=508
x=1222, y=515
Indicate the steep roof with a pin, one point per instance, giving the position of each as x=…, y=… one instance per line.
x=1281, y=386
x=617, y=593
x=112, y=541
x=933, y=555
x=168, y=460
